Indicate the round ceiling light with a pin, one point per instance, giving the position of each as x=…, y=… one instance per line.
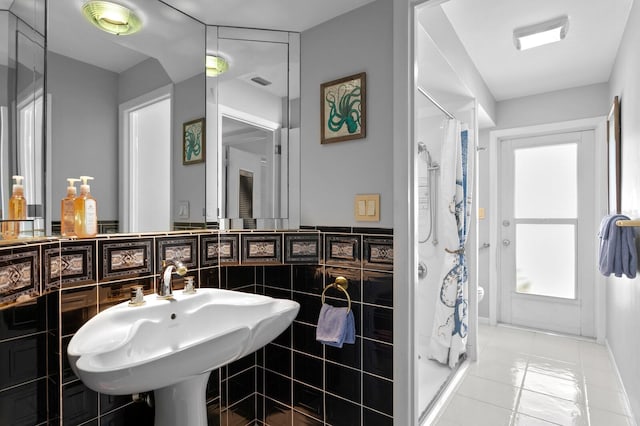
x=111, y=17
x=215, y=65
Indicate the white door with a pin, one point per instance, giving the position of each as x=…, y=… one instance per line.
x=151, y=167
x=145, y=162
x=546, y=232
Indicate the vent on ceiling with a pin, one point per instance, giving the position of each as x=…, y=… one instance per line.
x=261, y=81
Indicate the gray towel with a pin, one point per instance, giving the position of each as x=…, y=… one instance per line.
x=335, y=326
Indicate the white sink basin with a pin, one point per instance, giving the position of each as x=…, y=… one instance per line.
x=171, y=346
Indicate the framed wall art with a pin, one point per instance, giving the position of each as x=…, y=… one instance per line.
x=613, y=157
x=193, y=141
x=343, y=110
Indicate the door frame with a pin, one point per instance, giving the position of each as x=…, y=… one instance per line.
x=126, y=157
x=598, y=125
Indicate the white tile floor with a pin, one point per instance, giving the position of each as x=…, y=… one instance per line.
x=529, y=378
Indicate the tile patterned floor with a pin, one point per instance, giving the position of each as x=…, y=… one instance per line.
x=529, y=378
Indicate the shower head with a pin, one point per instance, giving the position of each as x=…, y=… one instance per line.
x=422, y=149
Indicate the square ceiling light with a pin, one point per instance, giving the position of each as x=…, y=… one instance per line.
x=540, y=34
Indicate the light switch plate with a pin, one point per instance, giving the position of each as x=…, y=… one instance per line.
x=183, y=210
x=367, y=207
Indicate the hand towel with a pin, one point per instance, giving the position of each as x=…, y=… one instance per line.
x=335, y=326
x=618, y=253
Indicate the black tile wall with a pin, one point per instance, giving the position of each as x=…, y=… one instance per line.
x=293, y=380
x=337, y=386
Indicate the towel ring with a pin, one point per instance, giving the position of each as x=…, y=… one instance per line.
x=341, y=284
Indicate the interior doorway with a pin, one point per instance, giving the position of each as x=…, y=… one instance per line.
x=547, y=187
x=145, y=162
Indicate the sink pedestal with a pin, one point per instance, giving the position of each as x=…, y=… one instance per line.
x=184, y=403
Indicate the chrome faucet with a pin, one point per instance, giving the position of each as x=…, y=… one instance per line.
x=165, y=290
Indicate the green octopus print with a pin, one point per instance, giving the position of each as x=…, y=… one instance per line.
x=193, y=143
x=343, y=109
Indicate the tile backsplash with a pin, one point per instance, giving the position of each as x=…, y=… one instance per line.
x=294, y=380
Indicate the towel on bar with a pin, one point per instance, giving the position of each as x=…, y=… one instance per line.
x=335, y=326
x=618, y=253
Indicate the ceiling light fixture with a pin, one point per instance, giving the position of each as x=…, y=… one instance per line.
x=215, y=65
x=540, y=34
x=111, y=17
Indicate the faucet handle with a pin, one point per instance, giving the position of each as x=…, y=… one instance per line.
x=188, y=285
x=137, y=296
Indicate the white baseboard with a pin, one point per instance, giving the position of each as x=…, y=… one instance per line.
x=624, y=390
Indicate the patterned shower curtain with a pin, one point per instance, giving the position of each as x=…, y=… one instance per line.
x=449, y=334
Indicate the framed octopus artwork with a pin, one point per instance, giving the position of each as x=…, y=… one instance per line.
x=343, y=109
x=193, y=141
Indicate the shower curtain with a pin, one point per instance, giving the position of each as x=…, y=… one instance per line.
x=449, y=334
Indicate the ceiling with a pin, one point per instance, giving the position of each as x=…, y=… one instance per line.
x=287, y=15
x=484, y=27
x=168, y=35
x=586, y=56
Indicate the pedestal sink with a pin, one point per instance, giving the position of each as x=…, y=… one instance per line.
x=170, y=346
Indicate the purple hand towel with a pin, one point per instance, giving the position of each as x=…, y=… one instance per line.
x=618, y=254
x=335, y=326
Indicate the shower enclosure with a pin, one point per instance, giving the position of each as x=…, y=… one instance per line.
x=445, y=124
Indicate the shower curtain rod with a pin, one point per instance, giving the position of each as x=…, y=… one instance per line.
x=440, y=107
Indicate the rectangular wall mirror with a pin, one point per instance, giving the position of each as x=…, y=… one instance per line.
x=118, y=105
x=22, y=114
x=253, y=91
x=118, y=108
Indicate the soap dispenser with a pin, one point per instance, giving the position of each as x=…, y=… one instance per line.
x=17, y=210
x=68, y=210
x=86, y=211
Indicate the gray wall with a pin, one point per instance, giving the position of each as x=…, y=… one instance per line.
x=84, y=130
x=332, y=174
x=84, y=124
x=623, y=295
x=552, y=107
x=4, y=85
x=140, y=79
x=188, y=181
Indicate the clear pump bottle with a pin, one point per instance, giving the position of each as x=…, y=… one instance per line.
x=68, y=210
x=86, y=211
x=17, y=210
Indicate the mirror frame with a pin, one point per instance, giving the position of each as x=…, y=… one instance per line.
x=290, y=125
x=25, y=38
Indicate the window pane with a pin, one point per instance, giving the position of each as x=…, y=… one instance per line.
x=546, y=182
x=545, y=260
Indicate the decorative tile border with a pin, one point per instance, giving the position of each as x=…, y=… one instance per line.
x=261, y=248
x=72, y=264
x=209, y=250
x=126, y=259
x=19, y=273
x=228, y=249
x=378, y=253
x=184, y=249
x=342, y=249
x=302, y=248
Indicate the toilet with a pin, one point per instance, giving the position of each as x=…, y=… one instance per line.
x=480, y=294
